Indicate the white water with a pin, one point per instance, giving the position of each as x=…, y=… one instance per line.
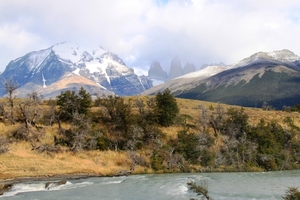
x=229, y=186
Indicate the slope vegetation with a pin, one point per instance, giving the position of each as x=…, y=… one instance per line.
x=204, y=136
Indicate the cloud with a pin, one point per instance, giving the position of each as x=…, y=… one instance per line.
x=15, y=42
x=198, y=31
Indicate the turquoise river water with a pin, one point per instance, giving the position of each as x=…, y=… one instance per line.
x=231, y=186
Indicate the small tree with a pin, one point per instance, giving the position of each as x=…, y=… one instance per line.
x=74, y=108
x=85, y=101
x=187, y=146
x=166, y=108
x=71, y=103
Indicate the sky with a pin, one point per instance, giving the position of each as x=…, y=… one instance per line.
x=143, y=31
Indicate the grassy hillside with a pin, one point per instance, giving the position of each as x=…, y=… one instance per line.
x=278, y=89
x=39, y=156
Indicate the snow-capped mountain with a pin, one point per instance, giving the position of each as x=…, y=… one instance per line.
x=280, y=56
x=41, y=69
x=111, y=73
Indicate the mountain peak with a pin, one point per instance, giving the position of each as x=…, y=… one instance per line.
x=74, y=53
x=113, y=57
x=176, y=68
x=156, y=72
x=284, y=55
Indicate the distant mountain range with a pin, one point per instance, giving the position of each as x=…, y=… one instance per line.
x=272, y=77
x=67, y=66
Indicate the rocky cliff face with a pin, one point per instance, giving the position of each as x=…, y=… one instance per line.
x=41, y=69
x=175, y=68
x=156, y=72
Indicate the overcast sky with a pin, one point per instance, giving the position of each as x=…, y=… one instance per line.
x=142, y=31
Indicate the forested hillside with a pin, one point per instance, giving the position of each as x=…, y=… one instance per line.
x=114, y=135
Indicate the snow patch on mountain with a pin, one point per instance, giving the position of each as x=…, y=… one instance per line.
x=120, y=67
x=76, y=71
x=283, y=55
x=102, y=86
x=156, y=82
x=206, y=72
x=139, y=78
x=67, y=52
x=96, y=66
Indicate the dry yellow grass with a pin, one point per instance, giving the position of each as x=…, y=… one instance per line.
x=21, y=161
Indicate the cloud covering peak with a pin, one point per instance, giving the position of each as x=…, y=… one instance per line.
x=198, y=31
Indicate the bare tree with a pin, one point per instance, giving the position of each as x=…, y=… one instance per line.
x=141, y=106
x=266, y=106
x=217, y=119
x=29, y=112
x=135, y=137
x=204, y=118
x=51, y=115
x=10, y=88
x=35, y=101
x=77, y=135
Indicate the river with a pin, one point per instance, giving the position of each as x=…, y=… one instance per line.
x=231, y=186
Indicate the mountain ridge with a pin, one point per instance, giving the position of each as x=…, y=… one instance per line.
x=271, y=77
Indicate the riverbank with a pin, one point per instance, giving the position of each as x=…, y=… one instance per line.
x=21, y=163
